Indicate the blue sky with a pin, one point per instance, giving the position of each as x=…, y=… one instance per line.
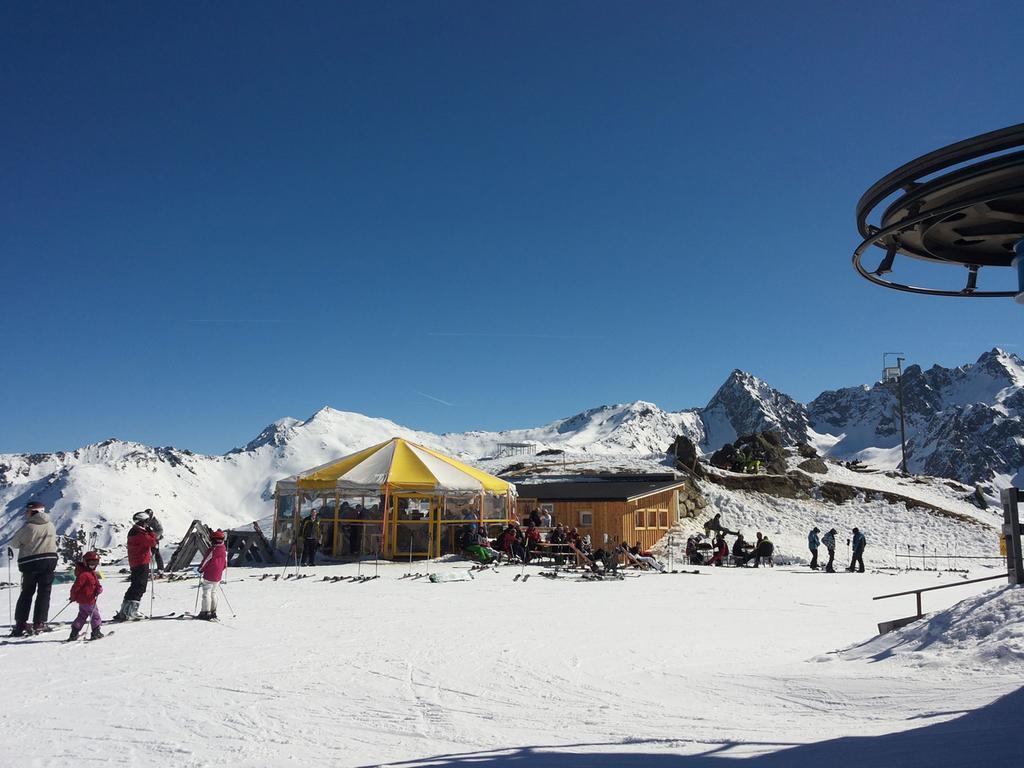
x=463, y=215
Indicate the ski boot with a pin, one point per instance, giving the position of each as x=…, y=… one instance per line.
x=133, y=611
x=39, y=627
x=74, y=635
x=122, y=614
x=96, y=634
x=204, y=615
x=21, y=629
x=213, y=615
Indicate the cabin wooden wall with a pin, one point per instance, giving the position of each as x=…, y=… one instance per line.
x=645, y=520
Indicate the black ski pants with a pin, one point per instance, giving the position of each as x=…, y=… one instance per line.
x=139, y=579
x=858, y=560
x=309, y=547
x=36, y=579
x=814, y=558
x=158, y=558
x=831, y=559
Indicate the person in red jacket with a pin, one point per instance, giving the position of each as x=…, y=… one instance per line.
x=86, y=589
x=212, y=569
x=141, y=541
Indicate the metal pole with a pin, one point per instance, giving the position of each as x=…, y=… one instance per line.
x=226, y=601
x=10, y=588
x=903, y=427
x=60, y=611
x=1012, y=535
x=152, y=587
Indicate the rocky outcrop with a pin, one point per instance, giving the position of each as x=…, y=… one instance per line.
x=750, y=453
x=685, y=456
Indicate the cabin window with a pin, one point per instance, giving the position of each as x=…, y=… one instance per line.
x=638, y=519
x=586, y=519
x=663, y=518
x=652, y=518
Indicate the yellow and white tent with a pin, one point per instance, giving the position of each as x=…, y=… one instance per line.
x=397, y=472
x=397, y=465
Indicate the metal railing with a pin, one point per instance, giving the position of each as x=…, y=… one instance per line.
x=889, y=626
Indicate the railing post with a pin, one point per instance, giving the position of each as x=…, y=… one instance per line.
x=920, y=613
x=1011, y=535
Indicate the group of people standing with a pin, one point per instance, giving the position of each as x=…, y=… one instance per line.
x=36, y=543
x=815, y=540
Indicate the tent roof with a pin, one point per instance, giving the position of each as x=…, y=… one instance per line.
x=401, y=465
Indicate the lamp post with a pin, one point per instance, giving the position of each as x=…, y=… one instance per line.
x=890, y=373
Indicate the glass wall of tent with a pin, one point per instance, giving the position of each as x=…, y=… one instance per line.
x=352, y=523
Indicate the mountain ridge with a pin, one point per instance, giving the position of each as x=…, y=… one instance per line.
x=950, y=433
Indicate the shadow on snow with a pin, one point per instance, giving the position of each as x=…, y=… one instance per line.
x=985, y=737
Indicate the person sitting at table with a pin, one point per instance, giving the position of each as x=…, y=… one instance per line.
x=693, y=555
x=721, y=550
x=557, y=536
x=534, y=517
x=764, y=551
x=506, y=542
x=740, y=549
x=532, y=539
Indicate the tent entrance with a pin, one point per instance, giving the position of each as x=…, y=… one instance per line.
x=413, y=525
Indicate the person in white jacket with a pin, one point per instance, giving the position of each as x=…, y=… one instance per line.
x=36, y=543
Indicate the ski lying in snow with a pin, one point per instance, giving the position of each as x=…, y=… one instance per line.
x=691, y=573
x=170, y=615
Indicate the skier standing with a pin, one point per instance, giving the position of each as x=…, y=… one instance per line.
x=86, y=590
x=859, y=542
x=141, y=541
x=829, y=540
x=813, y=542
x=36, y=543
x=309, y=532
x=212, y=569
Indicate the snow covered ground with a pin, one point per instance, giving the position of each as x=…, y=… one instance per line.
x=777, y=666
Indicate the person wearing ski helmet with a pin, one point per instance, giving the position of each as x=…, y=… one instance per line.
x=36, y=543
x=813, y=542
x=86, y=590
x=141, y=541
x=829, y=540
x=212, y=570
x=859, y=542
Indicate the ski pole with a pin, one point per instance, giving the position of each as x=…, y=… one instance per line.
x=10, y=588
x=61, y=611
x=226, y=601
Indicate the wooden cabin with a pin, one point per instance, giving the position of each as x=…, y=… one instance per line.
x=609, y=510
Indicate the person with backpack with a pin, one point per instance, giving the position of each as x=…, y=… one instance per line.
x=85, y=591
x=813, y=542
x=211, y=568
x=829, y=540
x=141, y=541
x=36, y=543
x=859, y=542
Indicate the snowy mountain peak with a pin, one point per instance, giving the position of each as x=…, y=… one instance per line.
x=745, y=404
